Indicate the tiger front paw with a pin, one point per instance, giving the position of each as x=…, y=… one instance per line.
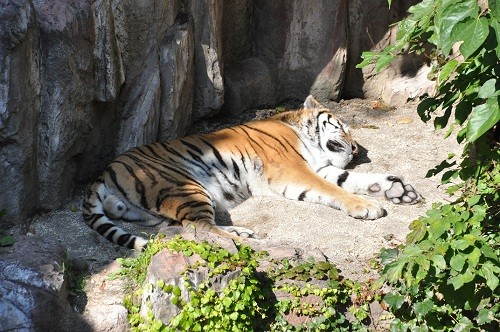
x=365, y=209
x=396, y=190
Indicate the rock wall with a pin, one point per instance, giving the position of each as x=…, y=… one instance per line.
x=84, y=80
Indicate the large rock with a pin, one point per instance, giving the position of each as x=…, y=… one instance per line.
x=405, y=78
x=19, y=104
x=33, y=288
x=82, y=81
x=170, y=268
x=177, y=79
x=300, y=47
x=298, y=40
x=144, y=25
x=250, y=85
x=66, y=73
x=104, y=310
x=209, y=87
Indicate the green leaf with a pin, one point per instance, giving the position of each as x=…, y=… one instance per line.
x=368, y=57
x=487, y=251
x=494, y=6
x=439, y=168
x=426, y=107
x=422, y=9
x=448, y=19
x=457, y=262
x=7, y=241
x=488, y=89
x=496, y=27
x=406, y=28
x=473, y=257
x=482, y=118
x=485, y=316
x=439, y=262
x=227, y=302
x=388, y=255
x=446, y=70
x=473, y=200
x=488, y=273
x=422, y=308
x=419, y=229
x=460, y=244
x=383, y=62
x=423, y=268
x=461, y=279
x=395, y=301
x=442, y=247
x=463, y=325
x=438, y=227
x=176, y=291
x=473, y=33
x=393, y=270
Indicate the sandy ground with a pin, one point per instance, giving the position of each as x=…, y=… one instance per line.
x=392, y=140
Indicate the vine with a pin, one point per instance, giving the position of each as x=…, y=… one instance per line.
x=287, y=296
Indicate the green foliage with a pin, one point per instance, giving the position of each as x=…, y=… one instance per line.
x=445, y=278
x=77, y=282
x=7, y=240
x=467, y=80
x=248, y=302
x=319, y=306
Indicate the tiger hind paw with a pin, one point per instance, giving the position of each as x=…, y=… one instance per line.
x=114, y=207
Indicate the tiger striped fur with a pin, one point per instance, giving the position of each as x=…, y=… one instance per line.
x=300, y=155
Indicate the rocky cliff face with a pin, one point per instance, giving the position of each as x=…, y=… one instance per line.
x=82, y=81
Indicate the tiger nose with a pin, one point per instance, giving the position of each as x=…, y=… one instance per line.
x=355, y=149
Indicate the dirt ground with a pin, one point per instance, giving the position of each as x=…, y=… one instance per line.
x=392, y=140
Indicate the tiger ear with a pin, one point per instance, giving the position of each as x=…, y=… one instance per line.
x=312, y=103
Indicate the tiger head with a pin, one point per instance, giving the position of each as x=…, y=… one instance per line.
x=325, y=130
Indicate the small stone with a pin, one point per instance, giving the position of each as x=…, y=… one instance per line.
x=79, y=265
x=388, y=237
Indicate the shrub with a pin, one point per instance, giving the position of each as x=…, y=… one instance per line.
x=445, y=278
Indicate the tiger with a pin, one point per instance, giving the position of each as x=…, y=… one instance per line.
x=299, y=154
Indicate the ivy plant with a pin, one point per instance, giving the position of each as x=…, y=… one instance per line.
x=257, y=299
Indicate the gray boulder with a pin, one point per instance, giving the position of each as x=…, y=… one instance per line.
x=298, y=40
x=33, y=288
x=177, y=79
x=19, y=104
x=405, y=78
x=170, y=269
x=298, y=48
x=209, y=86
x=250, y=85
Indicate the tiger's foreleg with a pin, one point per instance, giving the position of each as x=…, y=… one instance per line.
x=309, y=187
x=392, y=187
